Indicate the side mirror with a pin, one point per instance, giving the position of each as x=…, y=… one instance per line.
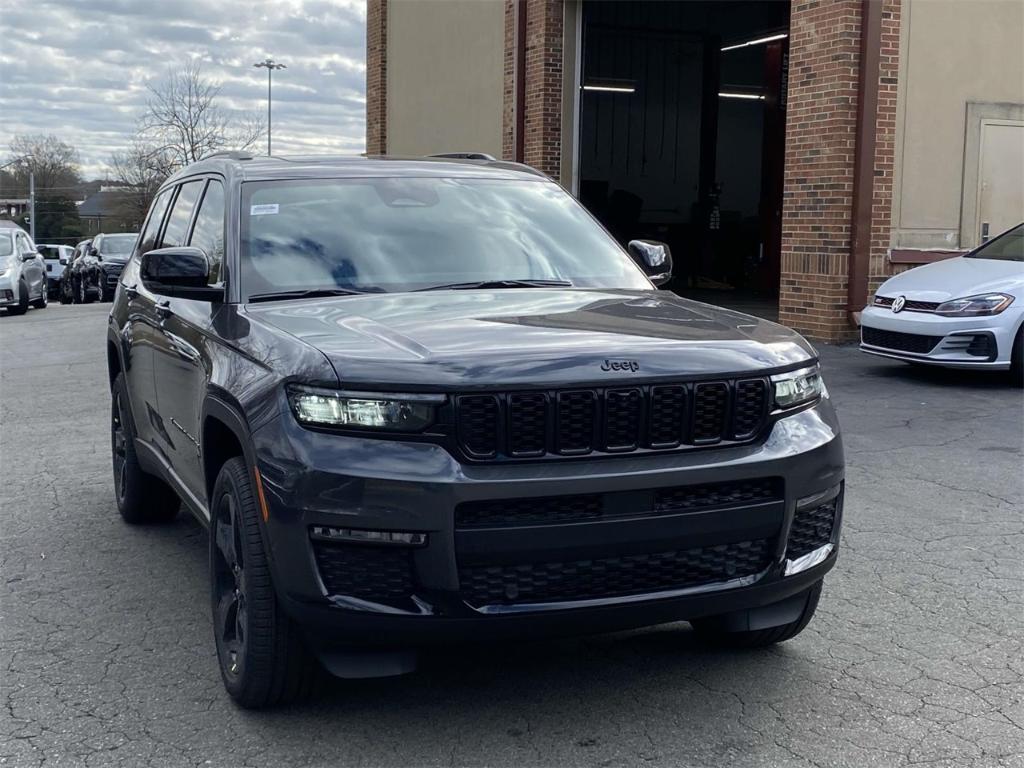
x=182, y=272
x=654, y=258
x=32, y=256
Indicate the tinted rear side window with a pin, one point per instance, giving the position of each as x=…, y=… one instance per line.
x=156, y=215
x=181, y=213
x=208, y=232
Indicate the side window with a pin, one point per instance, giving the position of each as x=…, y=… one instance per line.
x=181, y=213
x=208, y=231
x=156, y=216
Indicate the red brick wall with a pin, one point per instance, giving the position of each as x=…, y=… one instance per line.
x=376, y=77
x=818, y=188
x=885, y=148
x=508, y=104
x=820, y=140
x=543, y=108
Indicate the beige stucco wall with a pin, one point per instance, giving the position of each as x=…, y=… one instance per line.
x=952, y=52
x=445, y=76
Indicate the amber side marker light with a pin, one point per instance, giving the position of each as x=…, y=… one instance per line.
x=259, y=494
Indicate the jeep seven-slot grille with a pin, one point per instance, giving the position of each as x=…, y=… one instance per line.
x=610, y=420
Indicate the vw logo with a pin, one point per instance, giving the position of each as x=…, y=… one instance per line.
x=898, y=302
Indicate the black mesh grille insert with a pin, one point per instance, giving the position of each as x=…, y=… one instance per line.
x=622, y=419
x=668, y=416
x=478, y=424
x=687, y=497
x=527, y=424
x=711, y=402
x=366, y=572
x=749, y=409
x=812, y=528
x=550, y=510
x=612, y=576
x=576, y=411
x=904, y=342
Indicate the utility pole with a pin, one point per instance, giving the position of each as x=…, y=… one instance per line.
x=270, y=65
x=32, y=205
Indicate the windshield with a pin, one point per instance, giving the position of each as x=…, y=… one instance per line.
x=117, y=245
x=407, y=234
x=6, y=245
x=1009, y=246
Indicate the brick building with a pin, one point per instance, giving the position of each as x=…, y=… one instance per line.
x=791, y=152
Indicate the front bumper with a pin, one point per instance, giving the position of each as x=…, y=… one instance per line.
x=924, y=337
x=636, y=562
x=8, y=292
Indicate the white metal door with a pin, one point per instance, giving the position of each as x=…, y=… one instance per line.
x=1001, y=177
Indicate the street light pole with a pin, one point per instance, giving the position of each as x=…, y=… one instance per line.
x=270, y=65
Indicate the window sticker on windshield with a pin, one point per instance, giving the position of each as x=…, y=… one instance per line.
x=263, y=210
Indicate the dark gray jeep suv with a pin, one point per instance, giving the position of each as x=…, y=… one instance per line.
x=431, y=400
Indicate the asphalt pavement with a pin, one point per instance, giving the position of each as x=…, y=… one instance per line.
x=915, y=656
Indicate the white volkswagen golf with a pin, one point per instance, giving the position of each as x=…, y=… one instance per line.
x=964, y=312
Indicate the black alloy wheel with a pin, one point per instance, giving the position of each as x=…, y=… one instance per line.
x=229, y=587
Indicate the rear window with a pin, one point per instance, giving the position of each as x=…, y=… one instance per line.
x=50, y=251
x=117, y=244
x=1007, y=247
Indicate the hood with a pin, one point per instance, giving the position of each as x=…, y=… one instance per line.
x=529, y=337
x=956, y=278
x=115, y=258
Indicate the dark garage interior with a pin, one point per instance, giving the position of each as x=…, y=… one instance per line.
x=682, y=129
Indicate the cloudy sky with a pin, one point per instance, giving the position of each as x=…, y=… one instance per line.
x=79, y=68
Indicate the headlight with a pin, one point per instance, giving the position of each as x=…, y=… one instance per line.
x=363, y=410
x=972, y=306
x=797, y=387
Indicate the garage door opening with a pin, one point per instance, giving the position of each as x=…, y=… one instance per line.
x=681, y=138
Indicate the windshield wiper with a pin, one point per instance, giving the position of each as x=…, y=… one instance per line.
x=306, y=294
x=499, y=284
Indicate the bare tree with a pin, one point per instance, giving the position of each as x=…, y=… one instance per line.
x=185, y=121
x=140, y=170
x=54, y=163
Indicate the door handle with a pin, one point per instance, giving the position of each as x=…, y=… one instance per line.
x=163, y=308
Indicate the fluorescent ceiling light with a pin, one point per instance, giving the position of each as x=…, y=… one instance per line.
x=610, y=88
x=734, y=95
x=758, y=41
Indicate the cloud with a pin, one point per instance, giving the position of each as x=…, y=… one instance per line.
x=80, y=68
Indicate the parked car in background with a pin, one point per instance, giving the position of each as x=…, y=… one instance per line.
x=964, y=312
x=22, y=271
x=111, y=253
x=82, y=277
x=56, y=258
x=425, y=401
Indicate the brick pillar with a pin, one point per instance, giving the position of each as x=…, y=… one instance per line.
x=543, y=102
x=376, y=77
x=820, y=140
x=885, y=148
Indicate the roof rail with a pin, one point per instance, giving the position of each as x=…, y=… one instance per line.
x=231, y=154
x=466, y=156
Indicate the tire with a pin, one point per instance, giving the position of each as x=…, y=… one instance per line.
x=76, y=294
x=85, y=297
x=64, y=292
x=141, y=497
x=43, y=299
x=712, y=633
x=262, y=657
x=1017, y=359
x=22, y=306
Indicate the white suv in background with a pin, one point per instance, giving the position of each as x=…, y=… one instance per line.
x=56, y=258
x=964, y=312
